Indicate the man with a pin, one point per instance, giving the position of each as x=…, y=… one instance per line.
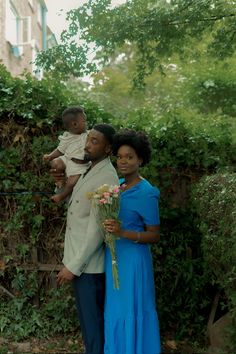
x=84, y=249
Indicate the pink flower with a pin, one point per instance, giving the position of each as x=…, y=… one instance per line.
x=116, y=189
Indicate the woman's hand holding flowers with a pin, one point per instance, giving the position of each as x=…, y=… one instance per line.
x=112, y=226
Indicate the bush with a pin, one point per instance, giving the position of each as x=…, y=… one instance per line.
x=215, y=198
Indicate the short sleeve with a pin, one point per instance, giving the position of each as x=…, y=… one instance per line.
x=148, y=206
x=63, y=142
x=72, y=145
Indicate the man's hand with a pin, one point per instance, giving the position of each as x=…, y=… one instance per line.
x=64, y=276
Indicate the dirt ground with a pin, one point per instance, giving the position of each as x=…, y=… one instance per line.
x=58, y=345
x=64, y=345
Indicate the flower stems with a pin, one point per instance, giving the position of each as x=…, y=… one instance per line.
x=110, y=242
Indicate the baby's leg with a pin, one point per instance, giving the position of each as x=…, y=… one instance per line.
x=67, y=190
x=59, y=165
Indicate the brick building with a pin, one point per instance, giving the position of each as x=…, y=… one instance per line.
x=23, y=33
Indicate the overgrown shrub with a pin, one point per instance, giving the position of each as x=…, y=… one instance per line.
x=215, y=198
x=21, y=318
x=182, y=154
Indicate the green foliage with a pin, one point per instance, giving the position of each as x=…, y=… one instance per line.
x=3, y=350
x=39, y=104
x=211, y=86
x=182, y=282
x=215, y=199
x=22, y=99
x=21, y=318
x=199, y=88
x=183, y=152
x=180, y=23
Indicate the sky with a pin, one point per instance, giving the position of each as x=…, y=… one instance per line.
x=57, y=13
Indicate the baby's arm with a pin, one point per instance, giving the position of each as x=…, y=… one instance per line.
x=54, y=154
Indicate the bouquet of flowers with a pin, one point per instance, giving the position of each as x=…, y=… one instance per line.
x=107, y=201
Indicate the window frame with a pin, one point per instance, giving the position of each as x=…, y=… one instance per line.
x=13, y=18
x=22, y=29
x=31, y=3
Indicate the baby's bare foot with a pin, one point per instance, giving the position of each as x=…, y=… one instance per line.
x=59, y=184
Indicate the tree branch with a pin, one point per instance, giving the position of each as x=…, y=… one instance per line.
x=6, y=291
x=215, y=18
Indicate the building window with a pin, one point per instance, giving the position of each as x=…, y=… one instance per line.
x=17, y=29
x=12, y=25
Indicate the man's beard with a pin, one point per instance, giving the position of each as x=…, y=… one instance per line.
x=87, y=157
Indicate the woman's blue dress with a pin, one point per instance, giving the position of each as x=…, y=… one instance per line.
x=131, y=321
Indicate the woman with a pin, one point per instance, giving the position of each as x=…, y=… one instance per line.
x=131, y=322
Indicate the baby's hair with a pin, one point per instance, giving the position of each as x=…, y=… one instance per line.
x=71, y=113
x=137, y=140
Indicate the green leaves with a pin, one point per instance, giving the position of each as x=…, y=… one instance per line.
x=157, y=29
x=215, y=202
x=19, y=319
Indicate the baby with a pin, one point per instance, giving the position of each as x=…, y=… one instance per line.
x=69, y=155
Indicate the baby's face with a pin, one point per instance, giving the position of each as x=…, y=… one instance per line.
x=78, y=126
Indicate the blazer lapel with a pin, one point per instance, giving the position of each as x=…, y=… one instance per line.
x=94, y=170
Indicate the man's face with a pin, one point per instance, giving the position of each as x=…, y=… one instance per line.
x=96, y=147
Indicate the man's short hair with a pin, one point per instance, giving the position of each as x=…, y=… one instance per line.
x=107, y=130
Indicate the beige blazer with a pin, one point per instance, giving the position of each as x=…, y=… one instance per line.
x=84, y=247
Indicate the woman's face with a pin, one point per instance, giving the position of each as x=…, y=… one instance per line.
x=128, y=161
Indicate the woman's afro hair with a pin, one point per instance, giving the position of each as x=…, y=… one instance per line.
x=137, y=140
